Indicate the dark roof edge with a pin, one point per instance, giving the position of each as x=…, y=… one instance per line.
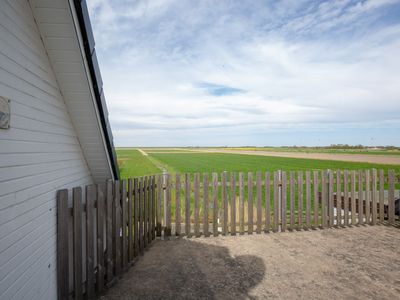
x=88, y=42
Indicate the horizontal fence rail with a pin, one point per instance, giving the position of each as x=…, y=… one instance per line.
x=104, y=229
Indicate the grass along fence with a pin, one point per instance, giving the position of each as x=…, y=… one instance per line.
x=104, y=231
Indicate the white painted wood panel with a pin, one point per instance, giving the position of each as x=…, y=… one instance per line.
x=39, y=154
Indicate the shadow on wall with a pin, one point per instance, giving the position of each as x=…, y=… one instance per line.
x=189, y=269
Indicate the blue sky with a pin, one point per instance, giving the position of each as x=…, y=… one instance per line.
x=233, y=73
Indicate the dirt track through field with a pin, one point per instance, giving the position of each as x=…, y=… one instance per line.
x=373, y=159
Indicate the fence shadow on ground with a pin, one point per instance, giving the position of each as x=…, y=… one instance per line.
x=189, y=269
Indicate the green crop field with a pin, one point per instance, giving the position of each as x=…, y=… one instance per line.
x=133, y=163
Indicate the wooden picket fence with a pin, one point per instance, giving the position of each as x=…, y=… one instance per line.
x=102, y=234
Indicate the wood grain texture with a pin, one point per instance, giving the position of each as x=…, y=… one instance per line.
x=123, y=225
x=215, y=203
x=130, y=220
x=100, y=238
x=339, y=207
x=308, y=199
x=90, y=279
x=300, y=200
x=360, y=187
x=136, y=215
x=241, y=203
x=292, y=200
x=353, y=197
x=316, y=198
x=367, y=197
x=324, y=192
x=276, y=202
x=346, y=196
x=187, y=205
x=391, y=203
x=267, y=202
x=233, y=203
x=158, y=206
x=284, y=200
x=177, y=204
x=168, y=227
x=62, y=244
x=206, y=230
x=77, y=241
x=224, y=203
x=258, y=201
x=250, y=203
x=374, y=197
x=330, y=197
x=109, y=231
x=197, y=204
x=381, y=196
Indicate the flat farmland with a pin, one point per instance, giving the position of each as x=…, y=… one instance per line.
x=183, y=160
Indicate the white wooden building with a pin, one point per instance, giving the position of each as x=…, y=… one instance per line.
x=56, y=135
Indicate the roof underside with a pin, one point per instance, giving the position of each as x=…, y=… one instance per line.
x=65, y=29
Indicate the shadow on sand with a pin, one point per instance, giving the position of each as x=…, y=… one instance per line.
x=189, y=269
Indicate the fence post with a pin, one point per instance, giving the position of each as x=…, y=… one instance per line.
x=177, y=204
x=360, y=198
x=353, y=198
x=323, y=199
x=391, y=203
x=330, y=197
x=187, y=205
x=241, y=203
x=141, y=214
x=339, y=198
x=381, y=196
x=300, y=199
x=145, y=212
x=267, y=202
x=100, y=237
x=308, y=200
x=258, y=199
x=292, y=200
x=62, y=245
x=250, y=203
x=123, y=224
x=233, y=203
x=196, y=204
x=283, y=200
x=90, y=198
x=77, y=240
x=159, y=196
x=374, y=196
x=206, y=231
x=316, y=198
x=367, y=197
x=346, y=197
x=109, y=230
x=167, y=206
x=224, y=203
x=136, y=214
x=130, y=220
x=276, y=201
x=215, y=203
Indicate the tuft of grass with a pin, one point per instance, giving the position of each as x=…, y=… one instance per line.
x=132, y=163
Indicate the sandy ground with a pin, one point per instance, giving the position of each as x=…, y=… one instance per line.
x=352, y=263
x=377, y=159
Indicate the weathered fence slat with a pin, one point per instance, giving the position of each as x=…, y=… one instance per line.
x=215, y=203
x=150, y=210
x=381, y=196
x=124, y=221
x=233, y=203
x=130, y=220
x=141, y=215
x=308, y=199
x=338, y=198
x=100, y=238
x=292, y=200
x=241, y=203
x=167, y=231
x=206, y=206
x=353, y=197
x=276, y=201
x=360, y=198
x=77, y=240
x=250, y=203
x=109, y=232
x=153, y=207
x=117, y=228
x=224, y=203
x=62, y=244
x=197, y=204
x=367, y=197
x=136, y=200
x=316, y=198
x=158, y=206
x=259, y=203
x=391, y=203
x=145, y=212
x=90, y=199
x=267, y=202
x=330, y=198
x=300, y=199
x=374, y=197
x=346, y=197
x=284, y=201
x=177, y=204
x=187, y=205
x=323, y=199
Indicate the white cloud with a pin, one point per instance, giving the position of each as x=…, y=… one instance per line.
x=303, y=66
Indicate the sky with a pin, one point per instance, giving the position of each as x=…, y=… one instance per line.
x=250, y=73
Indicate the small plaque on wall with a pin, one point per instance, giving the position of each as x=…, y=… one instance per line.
x=4, y=113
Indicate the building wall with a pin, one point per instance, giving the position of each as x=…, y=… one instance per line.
x=39, y=154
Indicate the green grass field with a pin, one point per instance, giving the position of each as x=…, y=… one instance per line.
x=133, y=163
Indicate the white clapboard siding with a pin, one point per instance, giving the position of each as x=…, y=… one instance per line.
x=43, y=150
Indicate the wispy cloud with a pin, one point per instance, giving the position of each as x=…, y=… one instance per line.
x=237, y=72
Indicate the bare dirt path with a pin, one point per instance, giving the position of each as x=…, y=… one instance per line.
x=352, y=263
x=377, y=159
